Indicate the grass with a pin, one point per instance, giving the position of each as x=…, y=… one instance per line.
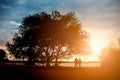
x=22, y=72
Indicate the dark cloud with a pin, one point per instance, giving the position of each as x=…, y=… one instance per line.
x=8, y=2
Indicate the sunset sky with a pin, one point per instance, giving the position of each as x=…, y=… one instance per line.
x=101, y=18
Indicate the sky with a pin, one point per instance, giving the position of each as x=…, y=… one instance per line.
x=101, y=18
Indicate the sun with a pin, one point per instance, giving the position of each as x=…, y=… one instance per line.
x=96, y=49
x=97, y=44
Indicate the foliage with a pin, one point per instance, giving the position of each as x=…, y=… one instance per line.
x=46, y=37
x=2, y=55
x=111, y=55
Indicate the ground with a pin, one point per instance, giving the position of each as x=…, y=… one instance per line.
x=22, y=72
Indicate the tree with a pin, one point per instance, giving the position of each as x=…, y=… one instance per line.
x=47, y=37
x=111, y=56
x=2, y=55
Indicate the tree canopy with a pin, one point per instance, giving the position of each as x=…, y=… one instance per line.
x=2, y=55
x=46, y=37
x=111, y=55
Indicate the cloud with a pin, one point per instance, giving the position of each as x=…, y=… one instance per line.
x=2, y=42
x=14, y=23
x=6, y=34
x=8, y=2
x=22, y=2
x=6, y=24
x=95, y=15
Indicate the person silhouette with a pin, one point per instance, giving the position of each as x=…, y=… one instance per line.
x=79, y=62
x=76, y=62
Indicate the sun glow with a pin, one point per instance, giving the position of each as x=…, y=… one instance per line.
x=97, y=44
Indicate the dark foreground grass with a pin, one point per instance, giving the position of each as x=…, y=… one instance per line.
x=21, y=72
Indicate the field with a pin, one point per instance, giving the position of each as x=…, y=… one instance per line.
x=22, y=72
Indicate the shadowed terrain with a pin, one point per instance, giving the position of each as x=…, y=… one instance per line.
x=20, y=72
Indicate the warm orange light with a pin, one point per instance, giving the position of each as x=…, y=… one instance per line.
x=97, y=44
x=84, y=58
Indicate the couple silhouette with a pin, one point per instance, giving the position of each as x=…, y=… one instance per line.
x=77, y=62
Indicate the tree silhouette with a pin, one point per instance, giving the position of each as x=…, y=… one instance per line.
x=111, y=56
x=46, y=37
x=2, y=55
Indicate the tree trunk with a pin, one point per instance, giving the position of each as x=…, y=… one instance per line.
x=56, y=61
x=48, y=62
